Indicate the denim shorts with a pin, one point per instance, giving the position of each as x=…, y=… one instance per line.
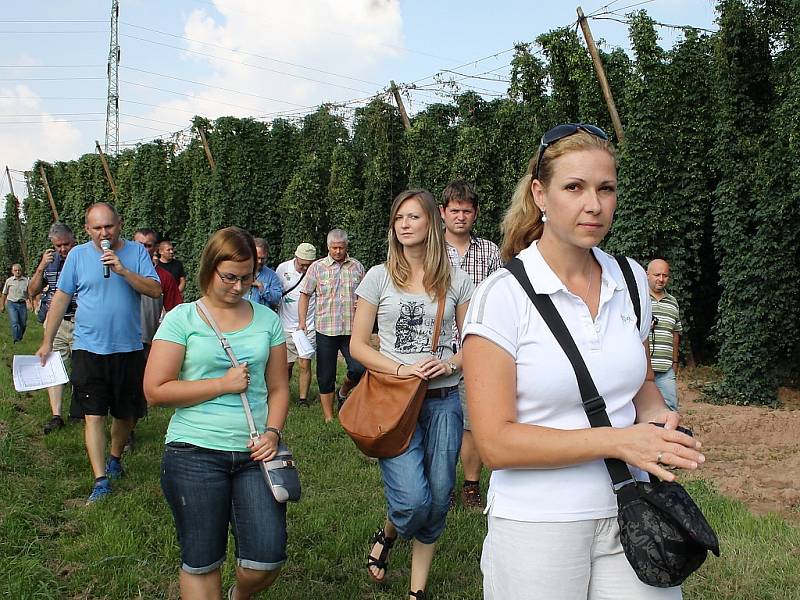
x=417, y=484
x=209, y=489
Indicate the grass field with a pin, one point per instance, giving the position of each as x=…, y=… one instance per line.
x=52, y=546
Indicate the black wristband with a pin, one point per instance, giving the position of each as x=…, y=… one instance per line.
x=276, y=431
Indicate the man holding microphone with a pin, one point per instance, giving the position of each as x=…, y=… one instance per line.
x=108, y=274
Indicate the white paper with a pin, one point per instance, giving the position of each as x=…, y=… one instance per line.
x=29, y=374
x=304, y=347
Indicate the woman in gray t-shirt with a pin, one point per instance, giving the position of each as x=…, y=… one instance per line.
x=402, y=294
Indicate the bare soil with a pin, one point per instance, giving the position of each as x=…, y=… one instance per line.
x=752, y=453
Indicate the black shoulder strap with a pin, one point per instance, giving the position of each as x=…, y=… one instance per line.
x=592, y=401
x=633, y=289
x=296, y=283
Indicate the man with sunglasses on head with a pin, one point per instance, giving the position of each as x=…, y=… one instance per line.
x=109, y=276
x=267, y=288
x=665, y=336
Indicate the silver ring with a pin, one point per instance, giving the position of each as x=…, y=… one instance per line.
x=659, y=457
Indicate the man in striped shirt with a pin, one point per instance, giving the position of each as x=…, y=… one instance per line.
x=47, y=273
x=665, y=335
x=334, y=280
x=479, y=257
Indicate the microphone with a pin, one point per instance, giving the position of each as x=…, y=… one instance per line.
x=106, y=245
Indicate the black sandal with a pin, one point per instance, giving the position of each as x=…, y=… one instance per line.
x=419, y=594
x=382, y=561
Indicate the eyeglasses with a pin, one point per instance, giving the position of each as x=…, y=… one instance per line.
x=231, y=279
x=559, y=132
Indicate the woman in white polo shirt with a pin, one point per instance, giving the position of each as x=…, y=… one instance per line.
x=552, y=512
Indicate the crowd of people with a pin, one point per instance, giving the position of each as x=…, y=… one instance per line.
x=500, y=391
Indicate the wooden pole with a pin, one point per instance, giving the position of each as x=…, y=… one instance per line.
x=601, y=74
x=19, y=222
x=106, y=169
x=401, y=107
x=49, y=193
x=209, y=156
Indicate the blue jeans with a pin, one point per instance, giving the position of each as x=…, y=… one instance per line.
x=209, y=489
x=417, y=484
x=328, y=348
x=666, y=383
x=18, y=315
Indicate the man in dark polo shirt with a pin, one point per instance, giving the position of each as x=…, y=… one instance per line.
x=107, y=355
x=48, y=272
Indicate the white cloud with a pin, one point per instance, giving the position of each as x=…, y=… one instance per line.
x=25, y=139
x=329, y=37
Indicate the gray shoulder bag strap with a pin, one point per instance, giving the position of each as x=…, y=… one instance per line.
x=280, y=472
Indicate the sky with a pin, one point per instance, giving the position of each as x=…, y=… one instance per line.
x=262, y=58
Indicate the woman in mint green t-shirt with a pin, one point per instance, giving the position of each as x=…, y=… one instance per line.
x=210, y=474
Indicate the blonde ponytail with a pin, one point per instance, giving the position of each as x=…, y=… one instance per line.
x=522, y=223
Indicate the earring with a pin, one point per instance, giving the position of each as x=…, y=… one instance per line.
x=544, y=217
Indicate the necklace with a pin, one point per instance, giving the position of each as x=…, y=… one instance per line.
x=589, y=286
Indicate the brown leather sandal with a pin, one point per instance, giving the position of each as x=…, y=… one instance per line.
x=381, y=562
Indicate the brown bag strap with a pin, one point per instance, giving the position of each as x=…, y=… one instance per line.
x=438, y=323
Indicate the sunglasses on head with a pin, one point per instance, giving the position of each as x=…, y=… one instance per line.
x=559, y=132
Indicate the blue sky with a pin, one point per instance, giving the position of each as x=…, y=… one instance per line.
x=258, y=58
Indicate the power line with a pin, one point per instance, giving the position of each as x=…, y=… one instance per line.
x=466, y=64
x=151, y=87
x=55, y=98
x=245, y=64
x=53, y=114
x=216, y=87
x=643, y=2
x=52, y=78
x=50, y=66
x=17, y=32
x=52, y=21
x=245, y=53
x=605, y=7
x=666, y=25
x=40, y=122
x=160, y=106
x=149, y=119
x=144, y=127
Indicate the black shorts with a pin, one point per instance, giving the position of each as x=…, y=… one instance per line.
x=109, y=383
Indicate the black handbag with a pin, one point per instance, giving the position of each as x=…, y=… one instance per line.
x=663, y=532
x=280, y=473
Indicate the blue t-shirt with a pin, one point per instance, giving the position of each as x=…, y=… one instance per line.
x=219, y=423
x=108, y=319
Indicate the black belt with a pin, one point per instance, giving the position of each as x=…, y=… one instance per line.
x=66, y=318
x=18, y=301
x=440, y=392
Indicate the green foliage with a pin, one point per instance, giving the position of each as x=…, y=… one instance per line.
x=378, y=145
x=749, y=308
x=11, y=248
x=707, y=174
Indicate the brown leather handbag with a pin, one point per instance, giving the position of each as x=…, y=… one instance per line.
x=381, y=413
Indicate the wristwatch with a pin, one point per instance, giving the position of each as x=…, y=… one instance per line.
x=453, y=367
x=276, y=431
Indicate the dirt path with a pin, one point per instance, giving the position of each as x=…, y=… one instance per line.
x=753, y=453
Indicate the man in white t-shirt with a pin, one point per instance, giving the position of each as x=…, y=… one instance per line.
x=290, y=274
